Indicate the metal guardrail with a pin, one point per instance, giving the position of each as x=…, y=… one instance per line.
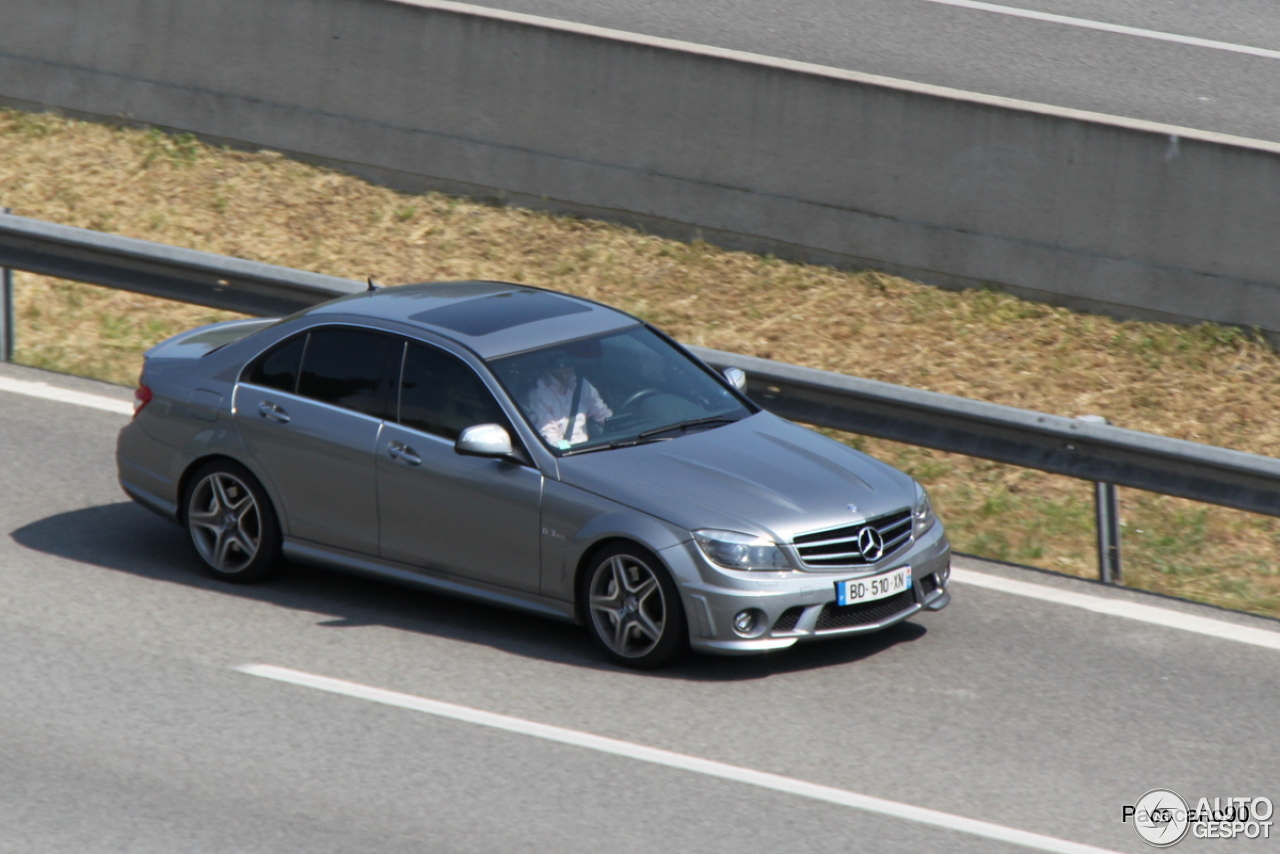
x=186, y=275
x=1086, y=449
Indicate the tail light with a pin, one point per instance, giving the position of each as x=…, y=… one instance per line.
x=141, y=397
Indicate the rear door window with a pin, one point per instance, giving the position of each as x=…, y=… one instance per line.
x=351, y=368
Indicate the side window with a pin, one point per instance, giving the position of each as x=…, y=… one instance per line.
x=440, y=394
x=278, y=367
x=351, y=368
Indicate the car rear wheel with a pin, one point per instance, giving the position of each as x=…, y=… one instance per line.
x=231, y=523
x=633, y=608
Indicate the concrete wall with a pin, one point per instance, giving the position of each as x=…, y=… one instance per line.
x=1123, y=216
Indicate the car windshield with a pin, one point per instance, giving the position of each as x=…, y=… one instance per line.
x=622, y=388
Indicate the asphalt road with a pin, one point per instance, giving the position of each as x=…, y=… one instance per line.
x=124, y=725
x=1067, y=64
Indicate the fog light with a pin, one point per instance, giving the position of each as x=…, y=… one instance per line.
x=943, y=575
x=749, y=623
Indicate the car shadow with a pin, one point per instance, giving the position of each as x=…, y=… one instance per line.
x=123, y=537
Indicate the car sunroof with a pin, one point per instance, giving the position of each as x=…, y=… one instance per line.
x=494, y=313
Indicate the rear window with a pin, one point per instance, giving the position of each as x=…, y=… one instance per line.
x=222, y=335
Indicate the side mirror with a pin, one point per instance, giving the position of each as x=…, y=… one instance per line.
x=737, y=378
x=484, y=440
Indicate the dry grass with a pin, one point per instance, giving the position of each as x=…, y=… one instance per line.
x=1208, y=384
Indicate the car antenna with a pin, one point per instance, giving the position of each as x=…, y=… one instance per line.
x=373, y=286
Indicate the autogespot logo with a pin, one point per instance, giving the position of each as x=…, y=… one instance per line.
x=1162, y=818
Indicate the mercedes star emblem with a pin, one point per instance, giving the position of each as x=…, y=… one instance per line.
x=871, y=544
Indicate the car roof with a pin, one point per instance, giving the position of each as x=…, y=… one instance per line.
x=491, y=318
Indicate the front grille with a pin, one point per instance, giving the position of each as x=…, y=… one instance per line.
x=787, y=622
x=839, y=546
x=835, y=616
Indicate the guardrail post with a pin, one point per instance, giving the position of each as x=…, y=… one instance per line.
x=1107, y=513
x=6, y=310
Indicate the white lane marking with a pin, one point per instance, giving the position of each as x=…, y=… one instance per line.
x=1110, y=28
x=65, y=395
x=1120, y=608
x=670, y=759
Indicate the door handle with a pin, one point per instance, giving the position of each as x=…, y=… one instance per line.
x=402, y=452
x=271, y=412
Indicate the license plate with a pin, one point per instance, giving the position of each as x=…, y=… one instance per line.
x=873, y=588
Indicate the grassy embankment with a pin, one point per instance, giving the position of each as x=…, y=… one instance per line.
x=1207, y=384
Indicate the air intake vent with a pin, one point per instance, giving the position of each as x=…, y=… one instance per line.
x=787, y=622
x=864, y=613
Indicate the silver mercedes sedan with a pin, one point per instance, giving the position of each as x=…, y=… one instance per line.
x=532, y=450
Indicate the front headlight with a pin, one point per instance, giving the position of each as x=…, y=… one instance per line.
x=740, y=551
x=922, y=512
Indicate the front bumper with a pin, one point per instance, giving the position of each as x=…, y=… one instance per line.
x=800, y=606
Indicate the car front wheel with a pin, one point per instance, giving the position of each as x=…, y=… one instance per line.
x=633, y=608
x=231, y=523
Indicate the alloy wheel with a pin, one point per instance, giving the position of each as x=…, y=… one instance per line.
x=627, y=605
x=225, y=522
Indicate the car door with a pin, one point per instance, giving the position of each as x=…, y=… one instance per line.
x=475, y=517
x=309, y=412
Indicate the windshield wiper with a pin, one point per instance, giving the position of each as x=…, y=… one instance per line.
x=651, y=435
x=685, y=425
x=609, y=446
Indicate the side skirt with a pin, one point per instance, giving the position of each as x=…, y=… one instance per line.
x=400, y=574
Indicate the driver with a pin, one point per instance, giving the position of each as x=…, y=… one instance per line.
x=553, y=396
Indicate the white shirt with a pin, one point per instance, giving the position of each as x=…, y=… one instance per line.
x=549, y=404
